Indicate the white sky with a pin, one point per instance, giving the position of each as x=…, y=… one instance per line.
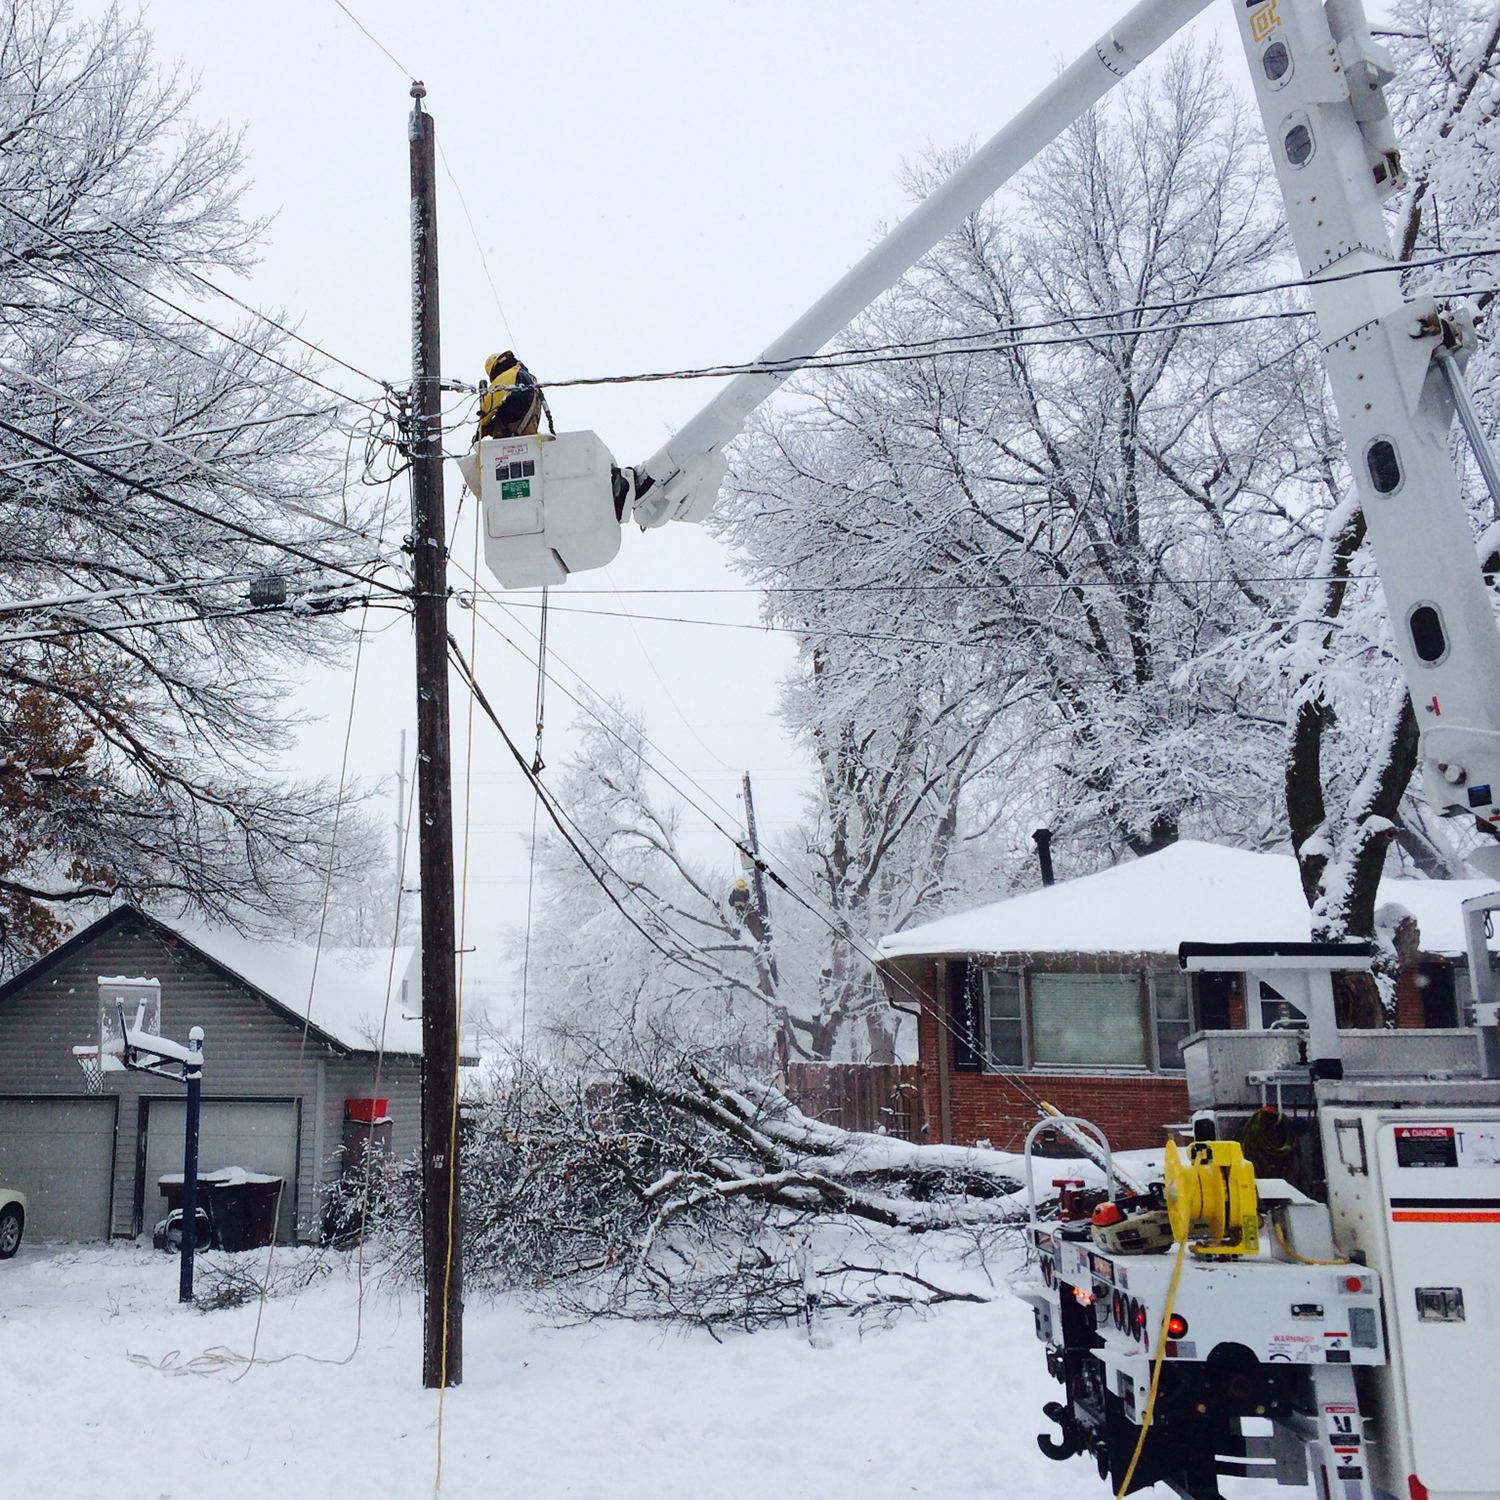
x=655, y=185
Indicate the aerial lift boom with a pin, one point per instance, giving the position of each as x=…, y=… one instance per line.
x=553, y=505
x=1352, y=1321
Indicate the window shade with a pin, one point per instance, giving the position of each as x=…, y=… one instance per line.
x=1174, y=1020
x=1002, y=990
x=1087, y=1019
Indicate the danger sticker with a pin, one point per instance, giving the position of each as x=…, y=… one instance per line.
x=1426, y=1146
x=1448, y=1145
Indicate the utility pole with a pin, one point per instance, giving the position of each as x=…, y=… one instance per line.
x=442, y=1245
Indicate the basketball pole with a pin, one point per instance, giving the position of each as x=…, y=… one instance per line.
x=192, y=1075
x=442, y=1249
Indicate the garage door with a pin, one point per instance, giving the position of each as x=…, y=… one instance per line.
x=257, y=1134
x=61, y=1154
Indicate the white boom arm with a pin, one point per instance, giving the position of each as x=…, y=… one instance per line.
x=681, y=481
x=1393, y=368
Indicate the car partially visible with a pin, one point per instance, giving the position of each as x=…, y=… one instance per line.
x=12, y=1221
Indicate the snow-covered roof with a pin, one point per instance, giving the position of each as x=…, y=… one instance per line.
x=349, y=995
x=1187, y=892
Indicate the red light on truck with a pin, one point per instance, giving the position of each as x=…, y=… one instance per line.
x=1354, y=1284
x=1177, y=1326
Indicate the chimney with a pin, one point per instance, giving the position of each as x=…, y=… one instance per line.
x=1043, y=837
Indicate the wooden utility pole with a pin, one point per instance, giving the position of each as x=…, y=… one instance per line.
x=442, y=1243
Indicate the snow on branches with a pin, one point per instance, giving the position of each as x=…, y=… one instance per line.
x=667, y=1194
x=114, y=204
x=1051, y=539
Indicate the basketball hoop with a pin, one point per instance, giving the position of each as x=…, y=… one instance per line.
x=93, y=1075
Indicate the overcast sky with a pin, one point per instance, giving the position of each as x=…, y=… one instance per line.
x=662, y=184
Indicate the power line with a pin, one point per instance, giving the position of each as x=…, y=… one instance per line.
x=120, y=311
x=514, y=599
x=406, y=73
x=811, y=627
x=201, y=432
x=254, y=311
x=555, y=813
x=194, y=510
x=484, y=259
x=133, y=591
x=905, y=350
x=190, y=458
x=836, y=923
x=198, y=617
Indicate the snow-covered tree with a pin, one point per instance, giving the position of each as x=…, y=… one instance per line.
x=636, y=944
x=1085, y=496
x=161, y=693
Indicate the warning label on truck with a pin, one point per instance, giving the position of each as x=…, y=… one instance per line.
x=1478, y=1146
x=1448, y=1145
x=1426, y=1146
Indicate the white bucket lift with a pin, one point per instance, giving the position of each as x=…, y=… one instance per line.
x=548, y=506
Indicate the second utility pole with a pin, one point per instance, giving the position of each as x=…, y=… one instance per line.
x=442, y=1218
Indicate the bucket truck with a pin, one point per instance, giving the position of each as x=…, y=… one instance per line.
x=1336, y=1329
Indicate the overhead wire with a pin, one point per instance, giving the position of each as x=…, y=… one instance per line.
x=109, y=628
x=189, y=508
x=201, y=432
x=906, y=350
x=132, y=591
x=691, y=957
x=191, y=459
x=822, y=911
x=370, y=35
x=484, y=259
x=309, y=344
x=119, y=310
x=813, y=904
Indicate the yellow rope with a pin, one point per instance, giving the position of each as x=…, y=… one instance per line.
x=1161, y=1354
x=463, y=927
x=1301, y=1259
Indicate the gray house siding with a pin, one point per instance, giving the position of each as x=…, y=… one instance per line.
x=254, y=1051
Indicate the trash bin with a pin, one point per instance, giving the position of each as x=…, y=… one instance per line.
x=241, y=1205
x=243, y=1208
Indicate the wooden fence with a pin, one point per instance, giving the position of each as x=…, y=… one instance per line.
x=860, y=1096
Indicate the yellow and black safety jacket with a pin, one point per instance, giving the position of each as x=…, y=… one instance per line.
x=511, y=405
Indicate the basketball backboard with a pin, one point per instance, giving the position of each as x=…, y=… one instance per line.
x=138, y=1000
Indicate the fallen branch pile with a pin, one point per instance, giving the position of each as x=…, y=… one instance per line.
x=679, y=1197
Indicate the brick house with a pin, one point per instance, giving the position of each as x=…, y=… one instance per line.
x=1073, y=993
x=274, y=1099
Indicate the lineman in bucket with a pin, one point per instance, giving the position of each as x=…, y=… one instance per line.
x=510, y=402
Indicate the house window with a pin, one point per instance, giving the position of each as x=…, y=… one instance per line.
x=1172, y=1009
x=1087, y=1019
x=1061, y=1020
x=1007, y=1027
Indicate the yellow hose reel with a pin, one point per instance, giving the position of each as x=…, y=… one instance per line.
x=1211, y=1198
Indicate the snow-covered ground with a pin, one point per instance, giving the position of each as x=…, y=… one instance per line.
x=108, y=1386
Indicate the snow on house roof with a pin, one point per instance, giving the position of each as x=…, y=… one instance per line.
x=1187, y=892
x=349, y=996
